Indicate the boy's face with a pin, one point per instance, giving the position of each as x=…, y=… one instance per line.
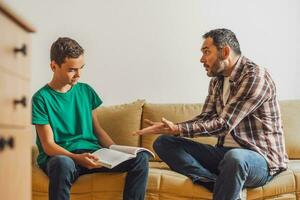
x=68, y=73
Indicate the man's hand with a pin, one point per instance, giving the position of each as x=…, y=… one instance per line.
x=86, y=160
x=163, y=127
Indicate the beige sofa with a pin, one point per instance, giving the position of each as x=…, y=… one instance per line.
x=164, y=184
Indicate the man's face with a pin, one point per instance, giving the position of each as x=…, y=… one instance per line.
x=69, y=71
x=211, y=58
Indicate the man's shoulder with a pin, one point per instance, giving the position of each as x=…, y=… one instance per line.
x=250, y=68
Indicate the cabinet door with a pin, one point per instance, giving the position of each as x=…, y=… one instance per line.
x=15, y=48
x=15, y=164
x=14, y=101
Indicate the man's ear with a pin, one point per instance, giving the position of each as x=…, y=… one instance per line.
x=225, y=52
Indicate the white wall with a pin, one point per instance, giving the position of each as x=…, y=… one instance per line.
x=149, y=49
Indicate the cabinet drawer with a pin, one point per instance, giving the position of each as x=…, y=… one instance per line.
x=14, y=38
x=15, y=165
x=14, y=101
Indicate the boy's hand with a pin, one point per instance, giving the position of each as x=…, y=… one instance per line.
x=87, y=160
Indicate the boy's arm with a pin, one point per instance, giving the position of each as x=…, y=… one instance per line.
x=45, y=135
x=104, y=139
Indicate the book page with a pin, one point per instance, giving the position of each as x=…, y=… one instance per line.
x=130, y=149
x=110, y=158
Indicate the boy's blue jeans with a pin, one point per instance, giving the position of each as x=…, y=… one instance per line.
x=225, y=171
x=63, y=171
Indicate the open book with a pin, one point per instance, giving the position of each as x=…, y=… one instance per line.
x=117, y=154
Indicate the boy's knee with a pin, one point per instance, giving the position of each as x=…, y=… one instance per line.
x=60, y=165
x=141, y=161
x=143, y=157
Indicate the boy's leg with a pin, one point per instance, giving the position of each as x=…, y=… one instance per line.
x=62, y=173
x=137, y=175
x=192, y=159
x=240, y=168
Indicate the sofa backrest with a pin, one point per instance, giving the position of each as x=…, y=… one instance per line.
x=290, y=113
x=121, y=120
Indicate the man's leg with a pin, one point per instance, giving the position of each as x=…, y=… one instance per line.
x=62, y=173
x=195, y=160
x=137, y=175
x=240, y=168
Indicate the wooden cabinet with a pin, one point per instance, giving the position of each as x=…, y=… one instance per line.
x=15, y=128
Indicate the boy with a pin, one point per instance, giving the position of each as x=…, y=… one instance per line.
x=63, y=112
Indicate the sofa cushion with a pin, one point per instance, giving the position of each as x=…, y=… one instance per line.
x=40, y=182
x=173, y=112
x=176, y=186
x=120, y=121
x=166, y=184
x=158, y=165
x=162, y=184
x=282, y=185
x=290, y=112
x=294, y=165
x=90, y=186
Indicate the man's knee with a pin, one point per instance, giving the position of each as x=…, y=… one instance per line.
x=234, y=161
x=162, y=142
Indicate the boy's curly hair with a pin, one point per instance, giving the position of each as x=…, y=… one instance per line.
x=63, y=48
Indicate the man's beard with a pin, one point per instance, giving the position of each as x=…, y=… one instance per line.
x=218, y=68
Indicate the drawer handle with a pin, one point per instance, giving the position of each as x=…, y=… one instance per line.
x=22, y=101
x=22, y=50
x=9, y=142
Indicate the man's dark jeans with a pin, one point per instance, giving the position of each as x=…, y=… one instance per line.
x=63, y=172
x=224, y=171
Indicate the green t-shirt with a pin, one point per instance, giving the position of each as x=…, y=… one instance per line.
x=69, y=115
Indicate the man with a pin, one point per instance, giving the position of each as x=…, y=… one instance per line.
x=242, y=110
x=63, y=112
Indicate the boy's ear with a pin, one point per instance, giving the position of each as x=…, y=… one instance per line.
x=53, y=65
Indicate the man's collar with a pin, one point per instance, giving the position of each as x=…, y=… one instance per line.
x=235, y=74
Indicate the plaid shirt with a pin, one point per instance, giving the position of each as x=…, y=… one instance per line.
x=251, y=114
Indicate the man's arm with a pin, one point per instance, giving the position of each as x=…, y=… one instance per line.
x=163, y=127
x=104, y=139
x=253, y=91
x=45, y=135
x=167, y=127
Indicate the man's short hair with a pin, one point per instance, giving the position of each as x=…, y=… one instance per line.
x=222, y=37
x=63, y=48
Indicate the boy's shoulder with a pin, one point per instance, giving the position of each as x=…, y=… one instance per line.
x=41, y=92
x=45, y=90
x=83, y=85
